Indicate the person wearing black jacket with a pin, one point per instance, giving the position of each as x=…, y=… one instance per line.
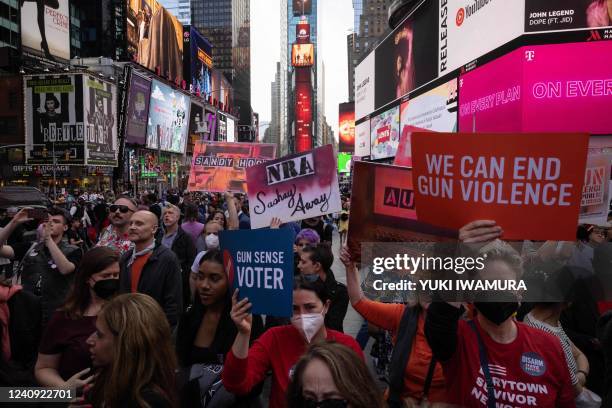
x=315, y=263
x=206, y=333
x=181, y=244
x=151, y=268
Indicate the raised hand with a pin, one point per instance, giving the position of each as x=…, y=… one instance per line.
x=240, y=314
x=480, y=231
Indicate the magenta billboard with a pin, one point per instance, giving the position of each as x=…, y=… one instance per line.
x=544, y=88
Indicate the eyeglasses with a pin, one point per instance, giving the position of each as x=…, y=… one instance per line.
x=123, y=208
x=327, y=403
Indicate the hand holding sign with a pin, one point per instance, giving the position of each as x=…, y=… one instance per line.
x=480, y=231
x=241, y=315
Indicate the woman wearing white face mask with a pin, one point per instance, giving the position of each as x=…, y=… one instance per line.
x=279, y=348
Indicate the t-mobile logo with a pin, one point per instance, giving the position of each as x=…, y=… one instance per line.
x=529, y=55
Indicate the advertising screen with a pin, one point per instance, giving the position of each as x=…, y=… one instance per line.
x=222, y=127
x=435, y=110
x=549, y=15
x=364, y=86
x=408, y=57
x=490, y=102
x=198, y=126
x=302, y=55
x=46, y=28
x=302, y=32
x=344, y=162
x=197, y=61
x=168, y=118
x=101, y=113
x=468, y=31
x=221, y=89
x=54, y=119
x=231, y=130
x=362, y=139
x=302, y=7
x=155, y=38
x=567, y=88
x=303, y=116
x=138, y=110
x=384, y=134
x=346, y=127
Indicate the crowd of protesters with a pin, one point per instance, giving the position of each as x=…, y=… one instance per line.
x=126, y=300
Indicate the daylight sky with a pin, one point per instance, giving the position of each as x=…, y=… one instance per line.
x=335, y=21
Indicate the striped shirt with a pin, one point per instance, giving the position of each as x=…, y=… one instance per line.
x=566, y=344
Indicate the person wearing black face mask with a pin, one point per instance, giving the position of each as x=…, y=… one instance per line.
x=63, y=358
x=493, y=359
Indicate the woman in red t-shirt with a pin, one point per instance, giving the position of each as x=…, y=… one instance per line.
x=63, y=355
x=492, y=360
x=279, y=348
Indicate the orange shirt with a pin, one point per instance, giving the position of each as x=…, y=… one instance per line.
x=388, y=316
x=136, y=269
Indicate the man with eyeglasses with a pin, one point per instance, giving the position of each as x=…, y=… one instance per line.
x=116, y=235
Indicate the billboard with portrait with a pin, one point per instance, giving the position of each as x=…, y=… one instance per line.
x=168, y=118
x=46, y=28
x=385, y=134
x=468, y=31
x=408, y=57
x=54, y=119
x=139, y=95
x=100, y=112
x=197, y=61
x=155, y=38
x=302, y=55
x=302, y=7
x=346, y=127
x=558, y=15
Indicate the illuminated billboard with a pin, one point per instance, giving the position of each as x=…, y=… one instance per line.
x=168, y=118
x=302, y=55
x=45, y=28
x=384, y=134
x=346, y=127
x=303, y=116
x=155, y=38
x=302, y=7
x=302, y=32
x=197, y=62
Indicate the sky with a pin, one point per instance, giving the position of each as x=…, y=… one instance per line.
x=335, y=20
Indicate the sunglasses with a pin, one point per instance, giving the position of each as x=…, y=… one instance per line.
x=123, y=208
x=327, y=403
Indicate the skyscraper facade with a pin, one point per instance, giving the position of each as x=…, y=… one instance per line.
x=180, y=8
x=226, y=23
x=302, y=92
x=370, y=26
x=274, y=129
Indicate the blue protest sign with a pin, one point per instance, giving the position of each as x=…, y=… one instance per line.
x=260, y=264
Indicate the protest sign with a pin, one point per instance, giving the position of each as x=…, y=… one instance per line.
x=595, y=201
x=383, y=208
x=294, y=187
x=220, y=166
x=530, y=184
x=404, y=150
x=260, y=265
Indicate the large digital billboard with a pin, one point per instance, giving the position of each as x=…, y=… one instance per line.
x=302, y=32
x=168, y=118
x=302, y=55
x=54, y=119
x=155, y=38
x=364, y=86
x=468, y=31
x=408, y=57
x=101, y=130
x=302, y=7
x=222, y=90
x=556, y=15
x=139, y=95
x=197, y=61
x=385, y=134
x=435, y=110
x=544, y=88
x=45, y=28
x=303, y=116
x=346, y=127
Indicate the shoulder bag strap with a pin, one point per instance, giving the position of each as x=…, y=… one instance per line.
x=484, y=363
x=429, y=378
x=401, y=355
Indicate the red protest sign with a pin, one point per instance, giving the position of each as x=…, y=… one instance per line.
x=530, y=184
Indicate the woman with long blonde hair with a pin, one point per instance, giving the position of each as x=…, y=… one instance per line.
x=133, y=354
